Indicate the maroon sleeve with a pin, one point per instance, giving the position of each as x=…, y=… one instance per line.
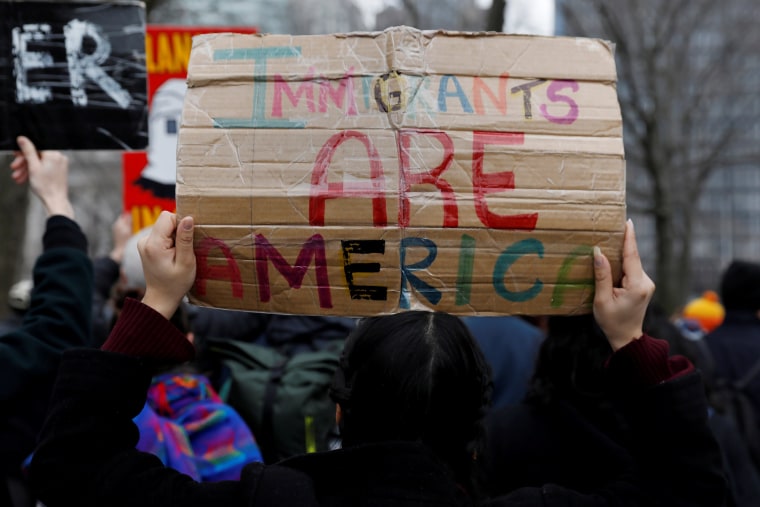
x=143, y=332
x=646, y=362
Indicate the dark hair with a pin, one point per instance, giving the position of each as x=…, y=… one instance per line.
x=415, y=376
x=570, y=362
x=740, y=286
x=657, y=323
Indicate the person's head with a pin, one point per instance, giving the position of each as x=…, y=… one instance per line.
x=570, y=362
x=415, y=376
x=20, y=296
x=740, y=286
x=706, y=310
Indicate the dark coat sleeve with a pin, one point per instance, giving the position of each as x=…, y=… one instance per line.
x=680, y=458
x=59, y=313
x=58, y=318
x=676, y=459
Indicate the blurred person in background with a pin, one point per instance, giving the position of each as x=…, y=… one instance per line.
x=734, y=347
x=19, y=296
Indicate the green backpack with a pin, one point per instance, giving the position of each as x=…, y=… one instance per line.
x=282, y=397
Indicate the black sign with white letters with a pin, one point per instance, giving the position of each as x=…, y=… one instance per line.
x=73, y=75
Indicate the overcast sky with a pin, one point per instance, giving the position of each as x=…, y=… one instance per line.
x=371, y=7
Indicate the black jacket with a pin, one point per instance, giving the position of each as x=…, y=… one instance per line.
x=735, y=348
x=654, y=446
x=58, y=318
x=106, y=274
x=88, y=457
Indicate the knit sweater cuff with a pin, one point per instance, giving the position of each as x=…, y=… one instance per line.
x=646, y=362
x=143, y=332
x=61, y=231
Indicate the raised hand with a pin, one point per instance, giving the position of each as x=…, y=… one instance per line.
x=619, y=311
x=121, y=231
x=168, y=262
x=47, y=173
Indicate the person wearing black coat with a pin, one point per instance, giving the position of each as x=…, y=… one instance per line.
x=582, y=423
x=734, y=346
x=410, y=393
x=58, y=317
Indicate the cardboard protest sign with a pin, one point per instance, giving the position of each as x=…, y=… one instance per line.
x=372, y=173
x=149, y=177
x=72, y=75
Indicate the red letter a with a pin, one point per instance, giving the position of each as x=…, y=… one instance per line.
x=321, y=190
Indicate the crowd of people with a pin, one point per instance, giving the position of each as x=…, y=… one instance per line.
x=113, y=393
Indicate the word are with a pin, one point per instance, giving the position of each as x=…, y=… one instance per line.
x=483, y=183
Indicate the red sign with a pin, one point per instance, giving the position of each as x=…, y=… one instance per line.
x=149, y=176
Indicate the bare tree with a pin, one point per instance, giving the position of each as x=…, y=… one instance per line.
x=153, y=4
x=410, y=6
x=495, y=20
x=433, y=15
x=685, y=90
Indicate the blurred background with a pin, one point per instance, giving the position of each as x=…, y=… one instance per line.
x=688, y=81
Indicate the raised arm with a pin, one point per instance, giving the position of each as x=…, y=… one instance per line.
x=662, y=396
x=47, y=173
x=76, y=462
x=168, y=263
x=59, y=313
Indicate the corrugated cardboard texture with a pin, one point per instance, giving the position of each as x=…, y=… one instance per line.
x=370, y=173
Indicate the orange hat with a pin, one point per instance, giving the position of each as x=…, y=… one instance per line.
x=706, y=310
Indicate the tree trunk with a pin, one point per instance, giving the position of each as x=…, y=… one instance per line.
x=665, y=294
x=495, y=21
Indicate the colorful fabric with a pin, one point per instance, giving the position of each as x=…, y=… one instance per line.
x=187, y=425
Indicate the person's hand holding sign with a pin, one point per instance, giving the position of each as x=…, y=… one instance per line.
x=168, y=262
x=619, y=311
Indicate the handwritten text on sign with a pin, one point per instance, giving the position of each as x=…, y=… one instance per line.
x=375, y=182
x=74, y=74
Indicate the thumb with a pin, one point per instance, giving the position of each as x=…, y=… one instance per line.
x=602, y=276
x=184, y=242
x=27, y=148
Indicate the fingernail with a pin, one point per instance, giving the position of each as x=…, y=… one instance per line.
x=187, y=224
x=597, y=256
